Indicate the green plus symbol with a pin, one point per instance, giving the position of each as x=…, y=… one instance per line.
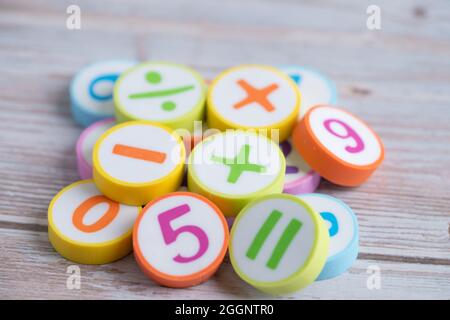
x=239, y=164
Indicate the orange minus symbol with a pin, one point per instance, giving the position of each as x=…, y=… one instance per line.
x=138, y=153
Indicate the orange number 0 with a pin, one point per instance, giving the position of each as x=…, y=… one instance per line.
x=83, y=209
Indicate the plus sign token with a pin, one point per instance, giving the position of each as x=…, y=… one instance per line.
x=91, y=90
x=343, y=230
x=315, y=87
x=180, y=239
x=167, y=93
x=254, y=97
x=85, y=144
x=86, y=227
x=234, y=167
x=278, y=244
x=300, y=178
x=137, y=161
x=338, y=145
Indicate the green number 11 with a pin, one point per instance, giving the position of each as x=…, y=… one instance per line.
x=283, y=243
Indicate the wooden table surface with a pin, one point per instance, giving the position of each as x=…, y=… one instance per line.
x=396, y=78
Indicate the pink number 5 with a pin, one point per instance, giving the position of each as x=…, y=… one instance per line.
x=350, y=134
x=170, y=235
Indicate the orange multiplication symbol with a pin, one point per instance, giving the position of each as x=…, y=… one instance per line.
x=138, y=153
x=256, y=95
x=82, y=210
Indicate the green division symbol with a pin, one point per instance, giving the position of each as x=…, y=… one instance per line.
x=283, y=243
x=154, y=77
x=239, y=164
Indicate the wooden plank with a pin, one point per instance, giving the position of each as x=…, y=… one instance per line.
x=31, y=269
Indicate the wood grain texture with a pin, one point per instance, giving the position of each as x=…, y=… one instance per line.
x=397, y=79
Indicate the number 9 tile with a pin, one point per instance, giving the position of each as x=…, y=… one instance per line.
x=343, y=230
x=180, y=239
x=91, y=90
x=278, y=244
x=86, y=227
x=338, y=145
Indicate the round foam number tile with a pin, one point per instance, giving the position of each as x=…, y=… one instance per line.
x=315, y=87
x=343, y=230
x=167, y=93
x=338, y=146
x=300, y=178
x=278, y=244
x=86, y=227
x=180, y=239
x=91, y=90
x=254, y=97
x=234, y=167
x=137, y=161
x=85, y=145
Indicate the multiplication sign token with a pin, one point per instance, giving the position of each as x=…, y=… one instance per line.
x=91, y=90
x=278, y=244
x=86, y=227
x=253, y=97
x=338, y=145
x=300, y=178
x=167, y=93
x=315, y=87
x=180, y=239
x=85, y=145
x=137, y=161
x=343, y=230
x=234, y=167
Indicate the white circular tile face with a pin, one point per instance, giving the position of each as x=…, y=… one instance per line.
x=339, y=218
x=65, y=206
x=159, y=92
x=345, y=136
x=315, y=87
x=91, y=138
x=139, y=153
x=93, y=86
x=180, y=235
x=236, y=163
x=296, y=167
x=234, y=97
x=266, y=260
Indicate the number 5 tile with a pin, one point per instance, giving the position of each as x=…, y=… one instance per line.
x=180, y=239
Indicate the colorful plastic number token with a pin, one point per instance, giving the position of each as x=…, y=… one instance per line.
x=234, y=167
x=137, y=161
x=180, y=239
x=168, y=93
x=85, y=145
x=338, y=145
x=343, y=231
x=300, y=178
x=314, y=86
x=86, y=227
x=278, y=244
x=91, y=91
x=254, y=97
